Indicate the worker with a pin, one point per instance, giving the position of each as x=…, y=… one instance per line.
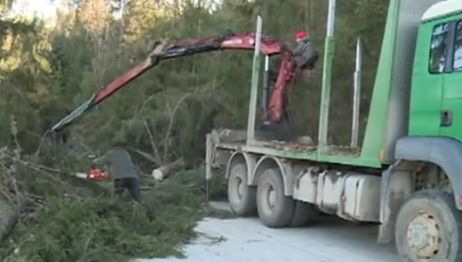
x=304, y=58
x=305, y=55
x=122, y=169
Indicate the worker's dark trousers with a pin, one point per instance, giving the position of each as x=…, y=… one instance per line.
x=131, y=183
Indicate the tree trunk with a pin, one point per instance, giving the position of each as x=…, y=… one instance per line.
x=166, y=170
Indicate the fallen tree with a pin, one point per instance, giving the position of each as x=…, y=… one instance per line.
x=64, y=218
x=166, y=170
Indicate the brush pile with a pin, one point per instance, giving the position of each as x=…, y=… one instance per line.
x=47, y=214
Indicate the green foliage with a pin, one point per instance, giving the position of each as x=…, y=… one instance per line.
x=101, y=229
x=79, y=226
x=74, y=60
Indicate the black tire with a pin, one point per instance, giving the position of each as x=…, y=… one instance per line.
x=274, y=208
x=429, y=228
x=303, y=214
x=241, y=197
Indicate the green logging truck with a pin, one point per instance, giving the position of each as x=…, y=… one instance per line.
x=407, y=173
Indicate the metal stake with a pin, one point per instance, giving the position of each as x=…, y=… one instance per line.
x=254, y=87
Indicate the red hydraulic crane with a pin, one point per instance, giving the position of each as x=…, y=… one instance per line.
x=245, y=41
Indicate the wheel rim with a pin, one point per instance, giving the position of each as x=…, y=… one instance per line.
x=423, y=236
x=240, y=188
x=271, y=197
x=237, y=189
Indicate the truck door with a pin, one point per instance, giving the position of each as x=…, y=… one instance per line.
x=451, y=106
x=428, y=76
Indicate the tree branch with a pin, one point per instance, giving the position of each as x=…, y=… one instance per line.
x=170, y=125
x=155, y=150
x=145, y=155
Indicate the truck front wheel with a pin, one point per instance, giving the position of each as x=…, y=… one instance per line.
x=429, y=227
x=274, y=208
x=241, y=197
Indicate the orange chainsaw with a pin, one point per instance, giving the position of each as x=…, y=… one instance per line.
x=98, y=175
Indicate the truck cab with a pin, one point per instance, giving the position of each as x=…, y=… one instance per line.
x=436, y=97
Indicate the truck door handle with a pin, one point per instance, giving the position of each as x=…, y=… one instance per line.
x=446, y=118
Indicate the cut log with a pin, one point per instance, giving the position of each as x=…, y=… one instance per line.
x=166, y=170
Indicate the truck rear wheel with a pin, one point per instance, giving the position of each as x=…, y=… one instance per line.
x=274, y=208
x=429, y=227
x=241, y=197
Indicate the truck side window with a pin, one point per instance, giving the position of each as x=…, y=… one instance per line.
x=458, y=47
x=438, y=48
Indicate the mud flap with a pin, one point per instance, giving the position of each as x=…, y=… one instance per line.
x=395, y=188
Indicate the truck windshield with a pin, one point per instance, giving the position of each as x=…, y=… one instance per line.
x=438, y=48
x=458, y=48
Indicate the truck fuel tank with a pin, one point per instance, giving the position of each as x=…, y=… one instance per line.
x=351, y=196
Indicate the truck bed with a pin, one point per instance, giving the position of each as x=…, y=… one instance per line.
x=236, y=140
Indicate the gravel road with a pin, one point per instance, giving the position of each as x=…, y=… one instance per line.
x=246, y=239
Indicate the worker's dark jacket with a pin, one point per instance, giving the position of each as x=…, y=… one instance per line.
x=305, y=55
x=120, y=162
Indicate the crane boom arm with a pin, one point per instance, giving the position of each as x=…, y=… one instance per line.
x=189, y=47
